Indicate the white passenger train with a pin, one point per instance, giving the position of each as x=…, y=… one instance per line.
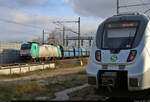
x=120, y=55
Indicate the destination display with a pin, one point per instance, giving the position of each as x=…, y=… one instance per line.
x=122, y=25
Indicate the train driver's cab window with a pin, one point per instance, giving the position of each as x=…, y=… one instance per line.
x=34, y=47
x=26, y=47
x=119, y=35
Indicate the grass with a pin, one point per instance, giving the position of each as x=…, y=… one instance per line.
x=87, y=93
x=32, y=89
x=68, y=65
x=74, y=80
x=65, y=84
x=10, y=91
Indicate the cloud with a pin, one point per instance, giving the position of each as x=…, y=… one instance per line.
x=43, y=19
x=24, y=14
x=11, y=32
x=20, y=17
x=104, y=8
x=25, y=3
x=94, y=8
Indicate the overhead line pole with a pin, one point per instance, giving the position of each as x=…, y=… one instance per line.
x=79, y=32
x=74, y=32
x=118, y=7
x=59, y=22
x=63, y=35
x=64, y=29
x=43, y=37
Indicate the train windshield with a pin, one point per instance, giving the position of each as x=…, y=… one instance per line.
x=26, y=46
x=119, y=35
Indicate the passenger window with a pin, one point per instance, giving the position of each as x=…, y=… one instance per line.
x=35, y=47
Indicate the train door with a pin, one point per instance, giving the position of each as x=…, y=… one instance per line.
x=34, y=50
x=59, y=50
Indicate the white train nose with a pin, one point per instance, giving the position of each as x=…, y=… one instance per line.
x=120, y=54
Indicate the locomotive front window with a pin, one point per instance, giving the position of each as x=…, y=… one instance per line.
x=119, y=35
x=26, y=46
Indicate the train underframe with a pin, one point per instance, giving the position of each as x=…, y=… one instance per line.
x=116, y=85
x=47, y=59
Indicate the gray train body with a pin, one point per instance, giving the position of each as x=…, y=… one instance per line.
x=120, y=56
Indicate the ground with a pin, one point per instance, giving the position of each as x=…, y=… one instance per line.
x=88, y=93
x=42, y=83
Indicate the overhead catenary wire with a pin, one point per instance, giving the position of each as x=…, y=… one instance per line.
x=142, y=2
x=60, y=23
x=127, y=9
x=145, y=7
x=22, y=24
x=134, y=5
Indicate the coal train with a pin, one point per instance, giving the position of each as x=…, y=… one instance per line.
x=120, y=56
x=38, y=52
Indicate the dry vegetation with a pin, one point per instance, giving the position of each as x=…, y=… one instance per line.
x=30, y=90
x=18, y=91
x=41, y=83
x=41, y=71
x=85, y=94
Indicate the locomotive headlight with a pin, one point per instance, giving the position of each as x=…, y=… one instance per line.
x=98, y=55
x=131, y=55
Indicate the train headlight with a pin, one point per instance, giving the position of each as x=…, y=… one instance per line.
x=98, y=55
x=131, y=55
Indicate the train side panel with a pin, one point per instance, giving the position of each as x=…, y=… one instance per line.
x=66, y=53
x=71, y=52
x=48, y=51
x=55, y=52
x=83, y=52
x=76, y=52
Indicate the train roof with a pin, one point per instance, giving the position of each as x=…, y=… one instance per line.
x=128, y=16
x=133, y=17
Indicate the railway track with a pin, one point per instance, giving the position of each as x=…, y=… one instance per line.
x=56, y=61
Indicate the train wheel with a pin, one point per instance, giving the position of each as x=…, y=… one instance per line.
x=40, y=59
x=54, y=59
x=32, y=60
x=35, y=60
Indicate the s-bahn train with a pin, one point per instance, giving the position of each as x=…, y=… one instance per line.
x=38, y=52
x=120, y=56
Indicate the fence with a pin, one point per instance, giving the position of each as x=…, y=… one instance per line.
x=24, y=68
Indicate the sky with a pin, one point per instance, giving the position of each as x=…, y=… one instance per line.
x=24, y=20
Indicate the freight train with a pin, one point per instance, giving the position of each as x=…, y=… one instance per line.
x=38, y=52
x=120, y=57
